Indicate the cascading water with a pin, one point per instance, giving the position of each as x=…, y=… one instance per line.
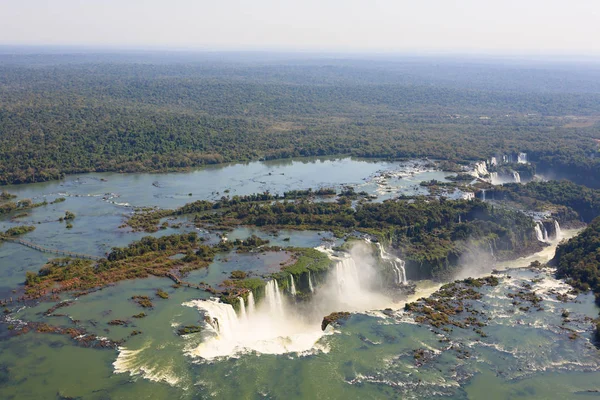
x=494, y=178
x=483, y=194
x=522, y=158
x=558, y=232
x=480, y=169
x=541, y=232
x=251, y=305
x=242, y=308
x=273, y=297
x=292, y=286
x=346, y=276
x=516, y=177
x=538, y=233
x=272, y=326
x=310, y=284
x=492, y=251
x=398, y=264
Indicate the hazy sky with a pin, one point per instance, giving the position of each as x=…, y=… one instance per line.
x=540, y=26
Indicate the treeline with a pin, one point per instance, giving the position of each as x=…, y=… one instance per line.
x=540, y=195
x=115, y=117
x=578, y=260
x=432, y=234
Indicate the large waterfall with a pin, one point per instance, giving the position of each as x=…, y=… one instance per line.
x=397, y=264
x=275, y=326
x=522, y=158
x=272, y=327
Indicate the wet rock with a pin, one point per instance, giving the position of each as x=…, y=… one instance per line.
x=336, y=317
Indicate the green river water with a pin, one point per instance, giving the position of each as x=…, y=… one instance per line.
x=525, y=354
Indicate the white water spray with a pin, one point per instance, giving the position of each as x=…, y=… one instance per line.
x=273, y=326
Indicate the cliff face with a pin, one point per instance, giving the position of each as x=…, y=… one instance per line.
x=498, y=237
x=581, y=173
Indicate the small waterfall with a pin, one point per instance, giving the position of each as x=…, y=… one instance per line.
x=459, y=219
x=492, y=250
x=398, y=265
x=494, y=178
x=516, y=177
x=558, y=232
x=251, y=305
x=522, y=158
x=273, y=297
x=242, y=308
x=310, y=284
x=292, y=285
x=483, y=194
x=540, y=232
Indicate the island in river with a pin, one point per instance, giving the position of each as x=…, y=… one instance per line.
x=376, y=282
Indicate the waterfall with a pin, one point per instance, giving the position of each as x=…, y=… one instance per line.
x=310, y=284
x=516, y=177
x=493, y=178
x=483, y=194
x=493, y=161
x=292, y=285
x=492, y=250
x=398, y=265
x=251, y=305
x=558, y=232
x=480, y=169
x=468, y=196
x=540, y=232
x=222, y=318
x=522, y=158
x=242, y=308
x=346, y=275
x=273, y=297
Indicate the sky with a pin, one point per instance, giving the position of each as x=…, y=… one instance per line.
x=474, y=26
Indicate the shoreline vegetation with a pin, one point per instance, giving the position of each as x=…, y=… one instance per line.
x=60, y=119
x=169, y=121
